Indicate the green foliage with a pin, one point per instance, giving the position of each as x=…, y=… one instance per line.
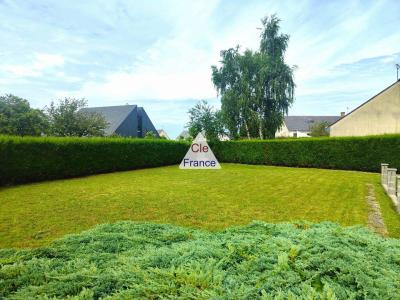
x=32, y=159
x=346, y=153
x=202, y=117
x=319, y=129
x=129, y=260
x=256, y=88
x=188, y=139
x=150, y=135
x=18, y=118
x=66, y=119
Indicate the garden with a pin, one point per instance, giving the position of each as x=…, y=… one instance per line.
x=93, y=204
x=116, y=218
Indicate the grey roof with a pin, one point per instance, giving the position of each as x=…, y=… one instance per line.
x=303, y=123
x=114, y=115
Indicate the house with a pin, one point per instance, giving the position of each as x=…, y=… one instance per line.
x=378, y=115
x=162, y=134
x=300, y=126
x=223, y=137
x=124, y=120
x=183, y=135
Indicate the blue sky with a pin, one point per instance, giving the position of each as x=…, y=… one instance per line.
x=158, y=53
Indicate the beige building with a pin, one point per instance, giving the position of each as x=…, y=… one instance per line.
x=163, y=134
x=379, y=115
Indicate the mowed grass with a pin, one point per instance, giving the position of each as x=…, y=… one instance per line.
x=34, y=214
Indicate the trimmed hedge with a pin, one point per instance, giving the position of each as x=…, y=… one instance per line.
x=346, y=153
x=28, y=159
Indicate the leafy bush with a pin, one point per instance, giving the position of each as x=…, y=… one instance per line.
x=26, y=159
x=129, y=260
x=347, y=153
x=69, y=117
x=18, y=118
x=319, y=129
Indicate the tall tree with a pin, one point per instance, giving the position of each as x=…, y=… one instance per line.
x=18, y=118
x=256, y=88
x=67, y=119
x=277, y=80
x=202, y=117
x=226, y=81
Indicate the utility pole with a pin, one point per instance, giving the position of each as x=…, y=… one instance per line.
x=397, y=69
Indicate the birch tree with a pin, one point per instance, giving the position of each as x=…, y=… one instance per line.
x=256, y=87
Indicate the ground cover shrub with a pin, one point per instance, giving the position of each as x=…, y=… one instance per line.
x=26, y=159
x=129, y=260
x=346, y=153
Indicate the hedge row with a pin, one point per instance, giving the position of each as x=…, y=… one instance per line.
x=346, y=153
x=27, y=159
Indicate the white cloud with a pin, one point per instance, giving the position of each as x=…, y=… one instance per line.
x=44, y=61
x=150, y=83
x=40, y=63
x=21, y=71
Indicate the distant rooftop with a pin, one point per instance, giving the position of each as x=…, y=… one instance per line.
x=114, y=115
x=184, y=134
x=303, y=123
x=162, y=133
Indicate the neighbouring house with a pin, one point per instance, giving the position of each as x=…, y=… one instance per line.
x=223, y=137
x=300, y=126
x=124, y=120
x=183, y=135
x=163, y=134
x=378, y=115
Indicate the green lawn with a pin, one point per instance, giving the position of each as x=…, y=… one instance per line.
x=35, y=214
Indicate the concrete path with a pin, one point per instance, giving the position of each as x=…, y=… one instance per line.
x=375, y=220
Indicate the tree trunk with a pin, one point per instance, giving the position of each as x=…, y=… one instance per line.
x=247, y=129
x=260, y=131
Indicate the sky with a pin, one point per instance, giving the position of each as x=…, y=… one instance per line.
x=158, y=54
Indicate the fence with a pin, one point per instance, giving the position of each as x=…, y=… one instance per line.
x=391, y=183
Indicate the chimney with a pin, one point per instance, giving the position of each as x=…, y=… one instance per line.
x=342, y=114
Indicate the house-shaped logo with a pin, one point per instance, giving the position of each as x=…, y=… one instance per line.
x=199, y=156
